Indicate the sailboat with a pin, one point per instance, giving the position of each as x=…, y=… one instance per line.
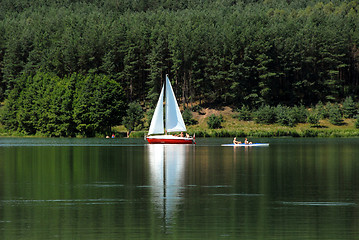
x=174, y=121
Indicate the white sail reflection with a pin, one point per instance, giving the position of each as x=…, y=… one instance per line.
x=167, y=164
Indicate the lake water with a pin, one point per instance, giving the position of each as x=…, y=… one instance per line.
x=126, y=189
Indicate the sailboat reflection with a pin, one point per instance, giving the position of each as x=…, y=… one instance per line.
x=167, y=164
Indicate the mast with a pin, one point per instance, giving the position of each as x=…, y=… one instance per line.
x=165, y=103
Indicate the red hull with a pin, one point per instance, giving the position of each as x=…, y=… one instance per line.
x=170, y=141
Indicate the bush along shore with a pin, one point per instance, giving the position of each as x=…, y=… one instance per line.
x=264, y=131
x=321, y=120
x=206, y=133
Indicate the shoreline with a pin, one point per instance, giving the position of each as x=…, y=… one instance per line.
x=219, y=133
x=223, y=133
x=236, y=129
x=328, y=133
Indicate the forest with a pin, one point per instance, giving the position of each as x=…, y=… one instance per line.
x=73, y=67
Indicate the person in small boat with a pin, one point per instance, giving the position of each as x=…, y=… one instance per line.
x=246, y=141
x=236, y=142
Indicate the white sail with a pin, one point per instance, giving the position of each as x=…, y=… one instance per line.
x=156, y=126
x=174, y=120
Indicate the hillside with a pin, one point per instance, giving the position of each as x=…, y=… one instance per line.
x=233, y=125
x=70, y=68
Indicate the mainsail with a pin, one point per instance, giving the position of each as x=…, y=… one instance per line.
x=174, y=120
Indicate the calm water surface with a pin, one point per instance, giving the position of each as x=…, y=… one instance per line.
x=126, y=189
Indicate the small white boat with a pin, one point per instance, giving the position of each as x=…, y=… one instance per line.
x=246, y=145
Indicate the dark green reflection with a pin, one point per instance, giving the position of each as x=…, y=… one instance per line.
x=297, y=189
x=72, y=192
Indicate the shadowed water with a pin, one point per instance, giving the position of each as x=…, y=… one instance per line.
x=126, y=189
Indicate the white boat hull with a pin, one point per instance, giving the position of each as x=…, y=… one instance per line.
x=246, y=145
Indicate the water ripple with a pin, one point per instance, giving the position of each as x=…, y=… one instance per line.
x=103, y=185
x=217, y=186
x=60, y=201
x=320, y=204
x=239, y=194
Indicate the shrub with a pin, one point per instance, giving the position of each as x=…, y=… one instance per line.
x=265, y=114
x=215, y=121
x=134, y=115
x=244, y=113
x=310, y=133
x=357, y=122
x=322, y=110
x=188, y=117
x=349, y=108
x=299, y=114
x=149, y=115
x=284, y=116
x=313, y=118
x=196, y=108
x=335, y=116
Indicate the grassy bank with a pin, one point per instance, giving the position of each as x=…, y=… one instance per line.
x=259, y=132
x=277, y=132
x=268, y=132
x=232, y=127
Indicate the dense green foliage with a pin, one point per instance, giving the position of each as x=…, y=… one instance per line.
x=215, y=121
x=188, y=117
x=313, y=118
x=244, y=113
x=290, y=116
x=265, y=114
x=335, y=115
x=249, y=52
x=134, y=117
x=69, y=106
x=285, y=116
x=349, y=108
x=357, y=123
x=228, y=52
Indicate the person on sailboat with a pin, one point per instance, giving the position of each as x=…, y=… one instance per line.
x=187, y=135
x=236, y=142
